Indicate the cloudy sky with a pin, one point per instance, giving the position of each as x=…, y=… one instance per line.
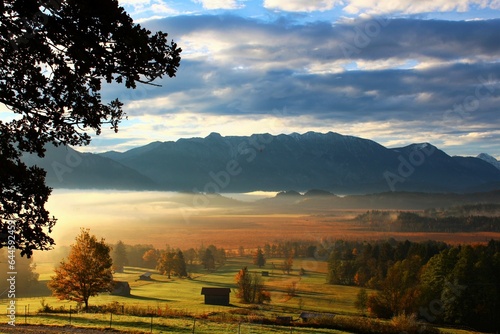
x=394, y=71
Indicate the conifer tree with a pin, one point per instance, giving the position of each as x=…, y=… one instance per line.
x=259, y=259
x=119, y=257
x=180, y=264
x=208, y=260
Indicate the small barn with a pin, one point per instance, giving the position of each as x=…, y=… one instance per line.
x=216, y=296
x=146, y=277
x=120, y=289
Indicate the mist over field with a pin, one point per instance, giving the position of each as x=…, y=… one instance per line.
x=186, y=220
x=137, y=216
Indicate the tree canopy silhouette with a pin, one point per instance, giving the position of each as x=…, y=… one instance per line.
x=54, y=57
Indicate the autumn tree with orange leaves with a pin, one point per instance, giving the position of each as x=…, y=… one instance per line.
x=86, y=272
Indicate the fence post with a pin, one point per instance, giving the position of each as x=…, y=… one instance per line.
x=110, y=320
x=70, y=315
x=25, y=315
x=151, y=323
x=194, y=324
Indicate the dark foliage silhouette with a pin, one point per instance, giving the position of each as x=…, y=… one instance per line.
x=55, y=56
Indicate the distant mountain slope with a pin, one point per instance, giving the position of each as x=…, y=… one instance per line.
x=68, y=168
x=490, y=159
x=337, y=163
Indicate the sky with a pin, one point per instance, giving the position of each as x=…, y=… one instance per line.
x=394, y=71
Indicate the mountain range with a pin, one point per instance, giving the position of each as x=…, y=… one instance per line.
x=330, y=161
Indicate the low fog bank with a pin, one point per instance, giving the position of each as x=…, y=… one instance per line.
x=142, y=216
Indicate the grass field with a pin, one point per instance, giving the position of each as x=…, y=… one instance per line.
x=184, y=294
x=181, y=297
x=182, y=306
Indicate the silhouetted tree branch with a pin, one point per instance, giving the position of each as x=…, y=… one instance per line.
x=54, y=57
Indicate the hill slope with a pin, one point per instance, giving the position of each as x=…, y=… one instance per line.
x=68, y=168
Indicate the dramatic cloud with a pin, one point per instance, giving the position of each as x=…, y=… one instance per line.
x=415, y=7
x=381, y=6
x=238, y=66
x=327, y=66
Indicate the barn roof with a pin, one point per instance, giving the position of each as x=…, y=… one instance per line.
x=215, y=291
x=120, y=284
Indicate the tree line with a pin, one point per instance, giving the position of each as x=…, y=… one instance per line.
x=167, y=261
x=430, y=221
x=292, y=249
x=146, y=256
x=440, y=283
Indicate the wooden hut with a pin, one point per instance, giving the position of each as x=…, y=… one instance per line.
x=120, y=289
x=146, y=277
x=216, y=296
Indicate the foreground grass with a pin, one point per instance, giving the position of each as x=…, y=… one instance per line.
x=161, y=325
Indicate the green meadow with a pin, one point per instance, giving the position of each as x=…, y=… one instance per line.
x=181, y=302
x=312, y=292
x=176, y=305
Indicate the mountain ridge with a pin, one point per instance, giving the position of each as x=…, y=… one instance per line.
x=328, y=161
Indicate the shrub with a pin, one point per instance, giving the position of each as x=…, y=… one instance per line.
x=405, y=323
x=46, y=308
x=362, y=325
